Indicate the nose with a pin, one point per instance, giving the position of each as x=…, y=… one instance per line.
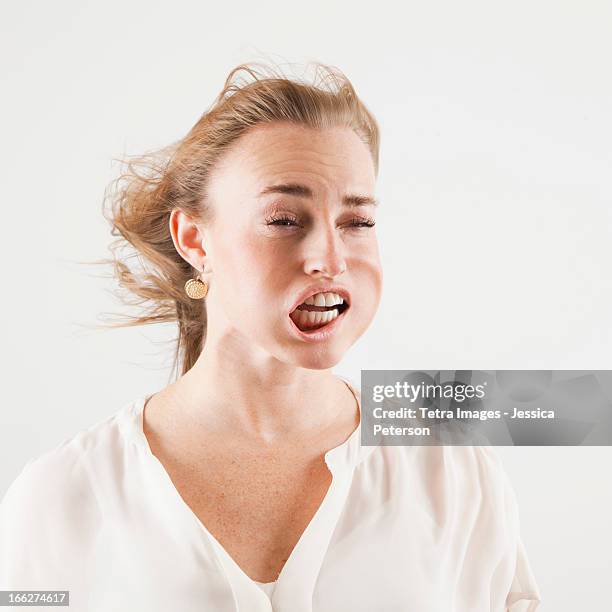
x=325, y=253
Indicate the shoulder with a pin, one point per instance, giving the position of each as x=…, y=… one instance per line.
x=53, y=505
x=66, y=466
x=469, y=462
x=68, y=472
x=467, y=477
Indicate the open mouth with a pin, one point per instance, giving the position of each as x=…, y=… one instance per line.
x=312, y=314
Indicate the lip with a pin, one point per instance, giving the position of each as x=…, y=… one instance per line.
x=322, y=288
x=318, y=334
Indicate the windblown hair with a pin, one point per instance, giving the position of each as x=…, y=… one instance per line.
x=138, y=203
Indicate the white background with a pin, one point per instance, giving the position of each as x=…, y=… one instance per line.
x=495, y=221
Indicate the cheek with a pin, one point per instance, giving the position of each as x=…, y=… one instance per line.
x=253, y=275
x=267, y=264
x=237, y=256
x=373, y=292
x=378, y=278
x=368, y=276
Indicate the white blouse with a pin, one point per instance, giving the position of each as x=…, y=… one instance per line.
x=410, y=529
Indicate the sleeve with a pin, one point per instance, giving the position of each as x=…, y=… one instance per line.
x=513, y=585
x=524, y=595
x=48, y=521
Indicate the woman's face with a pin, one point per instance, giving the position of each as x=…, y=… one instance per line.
x=292, y=207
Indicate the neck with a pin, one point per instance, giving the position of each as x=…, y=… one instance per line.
x=231, y=389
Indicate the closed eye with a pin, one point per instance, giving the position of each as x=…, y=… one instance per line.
x=289, y=222
x=363, y=223
x=281, y=221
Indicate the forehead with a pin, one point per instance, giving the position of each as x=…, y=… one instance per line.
x=326, y=158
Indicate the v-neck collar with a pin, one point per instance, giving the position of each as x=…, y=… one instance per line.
x=296, y=581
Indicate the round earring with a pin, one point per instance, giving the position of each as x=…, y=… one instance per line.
x=196, y=289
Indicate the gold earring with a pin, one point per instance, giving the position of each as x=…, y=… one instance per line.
x=196, y=289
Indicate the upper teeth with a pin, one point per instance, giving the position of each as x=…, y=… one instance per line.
x=324, y=299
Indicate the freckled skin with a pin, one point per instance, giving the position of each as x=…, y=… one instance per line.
x=243, y=434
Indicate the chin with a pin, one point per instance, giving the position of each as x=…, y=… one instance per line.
x=314, y=361
x=321, y=356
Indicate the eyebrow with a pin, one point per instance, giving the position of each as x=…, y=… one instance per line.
x=303, y=191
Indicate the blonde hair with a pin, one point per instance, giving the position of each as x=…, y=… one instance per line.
x=138, y=203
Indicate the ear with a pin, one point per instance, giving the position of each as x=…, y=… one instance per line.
x=188, y=239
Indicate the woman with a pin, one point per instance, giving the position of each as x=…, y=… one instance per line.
x=243, y=485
